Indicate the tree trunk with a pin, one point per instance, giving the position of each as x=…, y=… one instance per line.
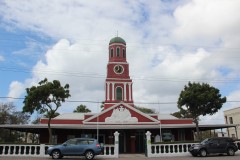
x=49, y=131
x=197, y=129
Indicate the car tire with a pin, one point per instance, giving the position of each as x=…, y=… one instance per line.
x=89, y=155
x=230, y=152
x=203, y=153
x=56, y=154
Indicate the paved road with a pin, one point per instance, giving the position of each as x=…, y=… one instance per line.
x=133, y=157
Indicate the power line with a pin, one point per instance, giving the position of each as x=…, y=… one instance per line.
x=20, y=38
x=89, y=101
x=96, y=75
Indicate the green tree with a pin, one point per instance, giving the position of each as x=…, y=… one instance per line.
x=182, y=114
x=9, y=115
x=146, y=110
x=199, y=99
x=50, y=114
x=47, y=97
x=82, y=109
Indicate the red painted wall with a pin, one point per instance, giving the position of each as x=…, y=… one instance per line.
x=176, y=121
x=61, y=121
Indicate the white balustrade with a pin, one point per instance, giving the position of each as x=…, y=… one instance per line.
x=158, y=150
x=23, y=150
x=40, y=150
x=162, y=150
x=109, y=151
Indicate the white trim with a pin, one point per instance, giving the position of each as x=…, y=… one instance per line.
x=113, y=90
x=119, y=80
x=108, y=90
x=119, y=126
x=125, y=89
x=117, y=62
x=126, y=105
x=120, y=44
x=130, y=91
x=125, y=123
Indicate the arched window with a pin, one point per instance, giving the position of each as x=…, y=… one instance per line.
x=118, y=93
x=124, y=54
x=118, y=52
x=112, y=52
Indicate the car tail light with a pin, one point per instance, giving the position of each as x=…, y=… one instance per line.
x=97, y=145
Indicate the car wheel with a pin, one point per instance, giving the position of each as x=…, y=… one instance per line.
x=56, y=154
x=230, y=152
x=89, y=155
x=203, y=153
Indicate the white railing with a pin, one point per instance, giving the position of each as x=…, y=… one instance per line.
x=40, y=150
x=180, y=149
x=161, y=150
x=23, y=150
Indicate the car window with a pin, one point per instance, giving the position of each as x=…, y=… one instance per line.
x=90, y=141
x=214, y=141
x=82, y=142
x=71, y=142
x=230, y=140
x=205, y=141
x=222, y=141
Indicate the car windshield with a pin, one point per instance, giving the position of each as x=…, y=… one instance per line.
x=205, y=141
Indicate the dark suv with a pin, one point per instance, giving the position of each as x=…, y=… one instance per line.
x=216, y=145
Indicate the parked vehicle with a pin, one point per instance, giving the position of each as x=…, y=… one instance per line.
x=218, y=145
x=87, y=147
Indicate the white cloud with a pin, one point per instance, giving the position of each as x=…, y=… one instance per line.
x=15, y=90
x=2, y=58
x=168, y=44
x=207, y=20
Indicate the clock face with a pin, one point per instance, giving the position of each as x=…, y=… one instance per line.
x=118, y=69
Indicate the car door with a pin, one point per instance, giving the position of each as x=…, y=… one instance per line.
x=222, y=145
x=70, y=147
x=82, y=145
x=213, y=146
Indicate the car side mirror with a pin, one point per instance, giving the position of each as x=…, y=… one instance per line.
x=65, y=144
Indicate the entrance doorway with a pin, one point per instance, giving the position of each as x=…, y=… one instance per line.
x=122, y=142
x=140, y=141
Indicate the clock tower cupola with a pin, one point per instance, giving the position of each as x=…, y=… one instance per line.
x=118, y=87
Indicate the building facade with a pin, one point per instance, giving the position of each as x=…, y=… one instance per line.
x=119, y=114
x=232, y=116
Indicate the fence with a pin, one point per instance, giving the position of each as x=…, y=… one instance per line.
x=161, y=150
x=109, y=151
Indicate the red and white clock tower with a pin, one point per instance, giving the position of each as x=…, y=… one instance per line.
x=118, y=87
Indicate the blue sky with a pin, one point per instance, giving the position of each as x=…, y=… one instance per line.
x=168, y=44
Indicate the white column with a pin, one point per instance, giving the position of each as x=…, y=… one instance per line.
x=116, y=144
x=42, y=150
x=108, y=90
x=148, y=135
x=125, y=91
x=130, y=91
x=113, y=91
